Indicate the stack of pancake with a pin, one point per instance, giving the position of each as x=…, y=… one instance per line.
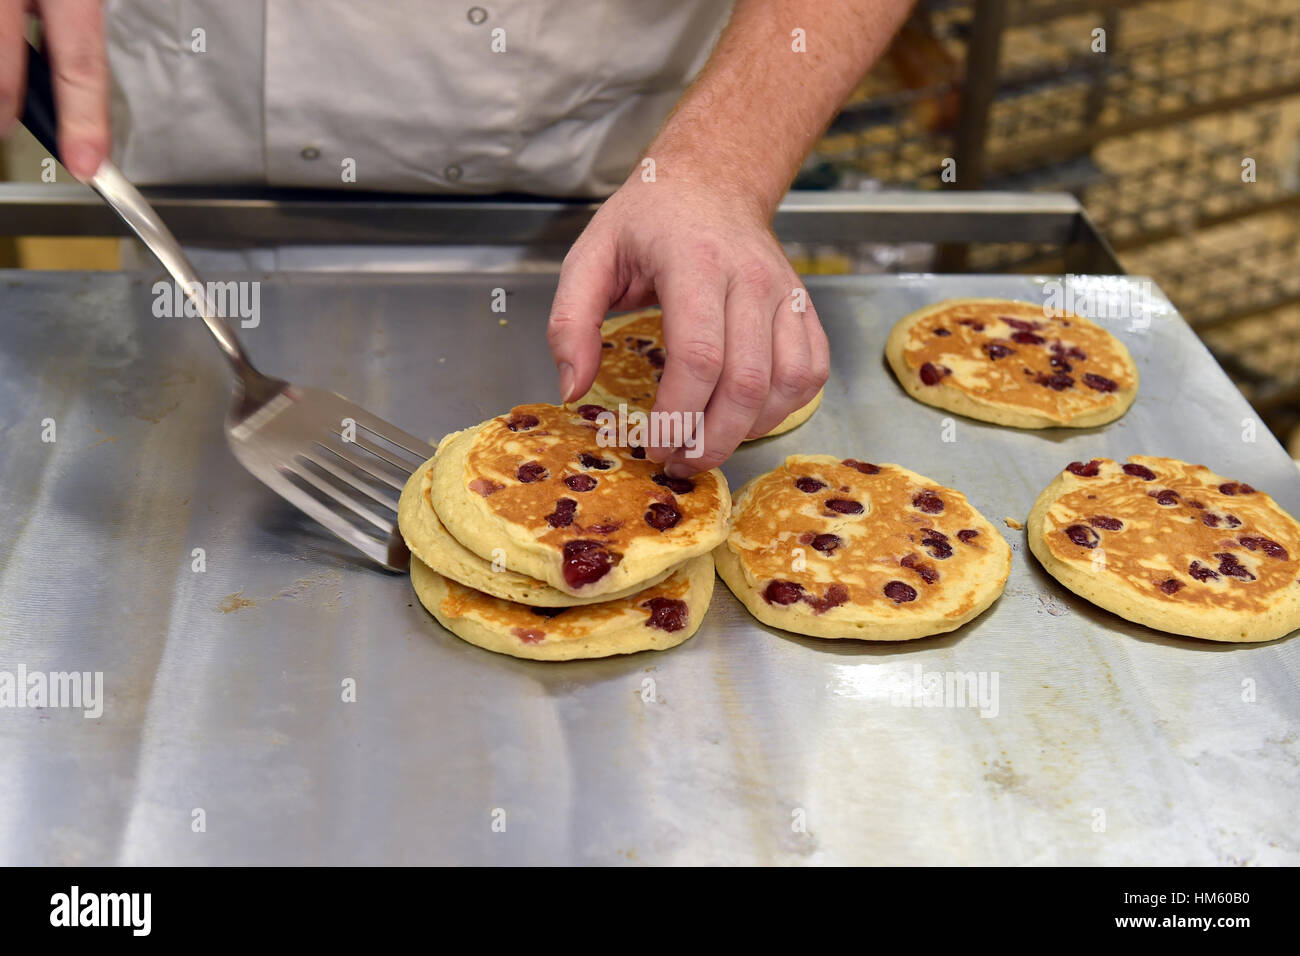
x=532, y=535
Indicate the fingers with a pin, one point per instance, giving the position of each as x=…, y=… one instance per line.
x=743, y=385
x=798, y=371
x=74, y=45
x=820, y=350
x=792, y=377
x=583, y=297
x=13, y=62
x=693, y=298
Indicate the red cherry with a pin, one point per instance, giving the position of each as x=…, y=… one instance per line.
x=928, y=502
x=899, y=592
x=661, y=517
x=521, y=423
x=1083, y=536
x=783, y=592
x=1100, y=383
x=826, y=543
x=863, y=466
x=667, y=614
x=585, y=562
x=562, y=516
x=932, y=373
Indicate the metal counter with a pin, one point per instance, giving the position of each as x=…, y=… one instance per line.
x=1111, y=743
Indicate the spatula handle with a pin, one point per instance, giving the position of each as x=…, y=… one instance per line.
x=38, y=108
x=40, y=118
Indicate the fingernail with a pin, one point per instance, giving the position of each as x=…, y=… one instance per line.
x=80, y=161
x=566, y=381
x=678, y=470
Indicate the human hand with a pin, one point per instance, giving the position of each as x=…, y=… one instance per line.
x=738, y=349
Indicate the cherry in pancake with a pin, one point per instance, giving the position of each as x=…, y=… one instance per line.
x=1011, y=363
x=658, y=617
x=432, y=543
x=849, y=548
x=1174, y=546
x=662, y=606
x=586, y=518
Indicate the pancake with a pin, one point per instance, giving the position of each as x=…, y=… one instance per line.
x=590, y=521
x=1173, y=546
x=1011, y=364
x=632, y=359
x=661, y=616
x=430, y=541
x=849, y=549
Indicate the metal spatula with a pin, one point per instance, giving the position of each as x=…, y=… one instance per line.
x=328, y=456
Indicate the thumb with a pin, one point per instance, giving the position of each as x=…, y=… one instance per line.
x=581, y=301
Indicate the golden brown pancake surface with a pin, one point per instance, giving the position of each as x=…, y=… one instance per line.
x=1013, y=355
x=878, y=547
x=541, y=468
x=1178, y=533
x=632, y=361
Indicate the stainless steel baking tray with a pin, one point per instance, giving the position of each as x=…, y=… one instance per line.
x=223, y=688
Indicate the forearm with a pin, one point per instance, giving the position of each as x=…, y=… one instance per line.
x=759, y=106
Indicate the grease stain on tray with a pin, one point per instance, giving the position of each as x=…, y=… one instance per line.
x=1003, y=777
x=1048, y=603
x=105, y=440
x=302, y=587
x=311, y=582
x=1052, y=605
x=235, y=602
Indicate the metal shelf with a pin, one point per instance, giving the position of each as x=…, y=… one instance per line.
x=1050, y=98
x=1162, y=69
x=1158, y=185
x=1218, y=277
x=249, y=217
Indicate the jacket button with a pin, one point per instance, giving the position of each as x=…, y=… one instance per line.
x=452, y=173
x=310, y=152
x=476, y=15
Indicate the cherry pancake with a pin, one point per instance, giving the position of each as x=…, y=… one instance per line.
x=1173, y=546
x=850, y=549
x=661, y=616
x=632, y=360
x=430, y=541
x=538, y=489
x=1011, y=363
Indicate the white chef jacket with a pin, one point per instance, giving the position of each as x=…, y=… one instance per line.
x=541, y=96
